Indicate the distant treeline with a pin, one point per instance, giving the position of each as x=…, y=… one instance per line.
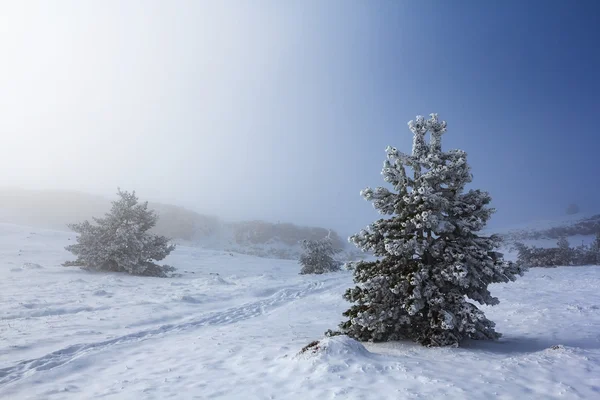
x=562, y=255
x=261, y=232
x=585, y=226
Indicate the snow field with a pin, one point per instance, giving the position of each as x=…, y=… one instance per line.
x=72, y=334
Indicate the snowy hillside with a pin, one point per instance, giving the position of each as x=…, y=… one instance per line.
x=578, y=227
x=231, y=326
x=55, y=209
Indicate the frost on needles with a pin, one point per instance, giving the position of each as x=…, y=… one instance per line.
x=121, y=242
x=430, y=259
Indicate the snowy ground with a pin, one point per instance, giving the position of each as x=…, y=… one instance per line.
x=71, y=334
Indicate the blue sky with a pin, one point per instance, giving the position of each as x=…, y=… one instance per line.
x=282, y=110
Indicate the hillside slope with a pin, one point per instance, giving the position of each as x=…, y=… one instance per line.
x=231, y=326
x=55, y=209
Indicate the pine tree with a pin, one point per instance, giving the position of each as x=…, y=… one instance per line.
x=318, y=257
x=596, y=249
x=583, y=255
x=565, y=254
x=524, y=254
x=120, y=241
x=429, y=253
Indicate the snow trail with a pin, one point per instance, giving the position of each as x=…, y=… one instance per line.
x=229, y=316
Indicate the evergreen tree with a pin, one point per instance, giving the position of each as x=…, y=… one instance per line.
x=524, y=254
x=120, y=241
x=318, y=257
x=430, y=257
x=596, y=249
x=565, y=254
x=583, y=255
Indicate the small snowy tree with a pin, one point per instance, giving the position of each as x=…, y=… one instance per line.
x=318, y=257
x=583, y=255
x=120, y=241
x=430, y=256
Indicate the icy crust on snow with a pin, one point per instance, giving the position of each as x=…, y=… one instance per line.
x=72, y=334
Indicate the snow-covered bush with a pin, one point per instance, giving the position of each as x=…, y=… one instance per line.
x=318, y=257
x=430, y=257
x=120, y=241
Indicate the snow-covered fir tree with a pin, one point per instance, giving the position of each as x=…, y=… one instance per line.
x=431, y=259
x=120, y=241
x=318, y=257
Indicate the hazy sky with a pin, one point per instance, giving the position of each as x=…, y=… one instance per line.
x=281, y=110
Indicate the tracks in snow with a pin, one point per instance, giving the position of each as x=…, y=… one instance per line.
x=232, y=315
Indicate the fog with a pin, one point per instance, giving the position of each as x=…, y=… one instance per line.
x=282, y=110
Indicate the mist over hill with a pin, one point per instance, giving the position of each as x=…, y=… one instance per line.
x=55, y=209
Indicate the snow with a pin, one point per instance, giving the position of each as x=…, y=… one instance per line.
x=231, y=326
